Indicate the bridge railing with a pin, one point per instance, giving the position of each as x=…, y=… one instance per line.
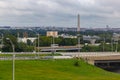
x=90, y=54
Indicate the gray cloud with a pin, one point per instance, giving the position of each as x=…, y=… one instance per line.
x=94, y=13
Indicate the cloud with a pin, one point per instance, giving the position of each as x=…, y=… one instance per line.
x=94, y=13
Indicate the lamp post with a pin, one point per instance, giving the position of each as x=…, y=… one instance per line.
x=111, y=44
x=13, y=47
x=38, y=43
x=53, y=45
x=103, y=44
x=2, y=43
x=116, y=46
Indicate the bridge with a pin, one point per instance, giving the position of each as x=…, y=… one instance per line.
x=91, y=56
x=59, y=48
x=105, y=60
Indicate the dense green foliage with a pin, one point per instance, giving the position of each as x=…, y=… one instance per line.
x=54, y=70
x=101, y=47
x=47, y=41
x=19, y=47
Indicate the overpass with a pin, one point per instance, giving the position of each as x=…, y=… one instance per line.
x=105, y=60
x=91, y=56
x=59, y=48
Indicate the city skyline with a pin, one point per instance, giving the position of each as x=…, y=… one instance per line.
x=93, y=13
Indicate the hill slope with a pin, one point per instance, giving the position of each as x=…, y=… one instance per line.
x=54, y=70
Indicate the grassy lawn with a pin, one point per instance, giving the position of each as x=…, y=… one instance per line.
x=54, y=70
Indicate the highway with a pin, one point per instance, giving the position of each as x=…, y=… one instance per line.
x=64, y=55
x=59, y=48
x=90, y=54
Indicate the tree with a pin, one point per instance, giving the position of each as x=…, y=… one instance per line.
x=7, y=45
x=44, y=41
x=19, y=47
x=29, y=42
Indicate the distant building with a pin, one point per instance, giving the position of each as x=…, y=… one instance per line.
x=92, y=39
x=5, y=27
x=116, y=36
x=67, y=36
x=24, y=40
x=52, y=33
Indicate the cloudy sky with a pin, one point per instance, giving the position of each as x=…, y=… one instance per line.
x=63, y=13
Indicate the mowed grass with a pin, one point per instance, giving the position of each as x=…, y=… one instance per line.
x=54, y=70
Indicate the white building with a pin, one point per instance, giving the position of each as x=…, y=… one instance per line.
x=116, y=36
x=24, y=40
x=67, y=36
x=92, y=39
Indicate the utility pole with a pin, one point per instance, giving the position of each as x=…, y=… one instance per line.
x=53, y=44
x=35, y=46
x=116, y=46
x=111, y=44
x=38, y=42
x=103, y=44
x=78, y=32
x=13, y=47
x=13, y=62
x=18, y=37
x=2, y=43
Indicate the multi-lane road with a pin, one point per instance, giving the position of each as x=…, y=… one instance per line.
x=64, y=55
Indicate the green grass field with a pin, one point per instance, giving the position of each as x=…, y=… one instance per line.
x=54, y=70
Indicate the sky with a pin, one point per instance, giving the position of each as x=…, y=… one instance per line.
x=60, y=13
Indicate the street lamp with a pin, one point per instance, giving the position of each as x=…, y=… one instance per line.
x=37, y=33
x=103, y=44
x=13, y=47
x=38, y=43
x=1, y=42
x=112, y=44
x=116, y=46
